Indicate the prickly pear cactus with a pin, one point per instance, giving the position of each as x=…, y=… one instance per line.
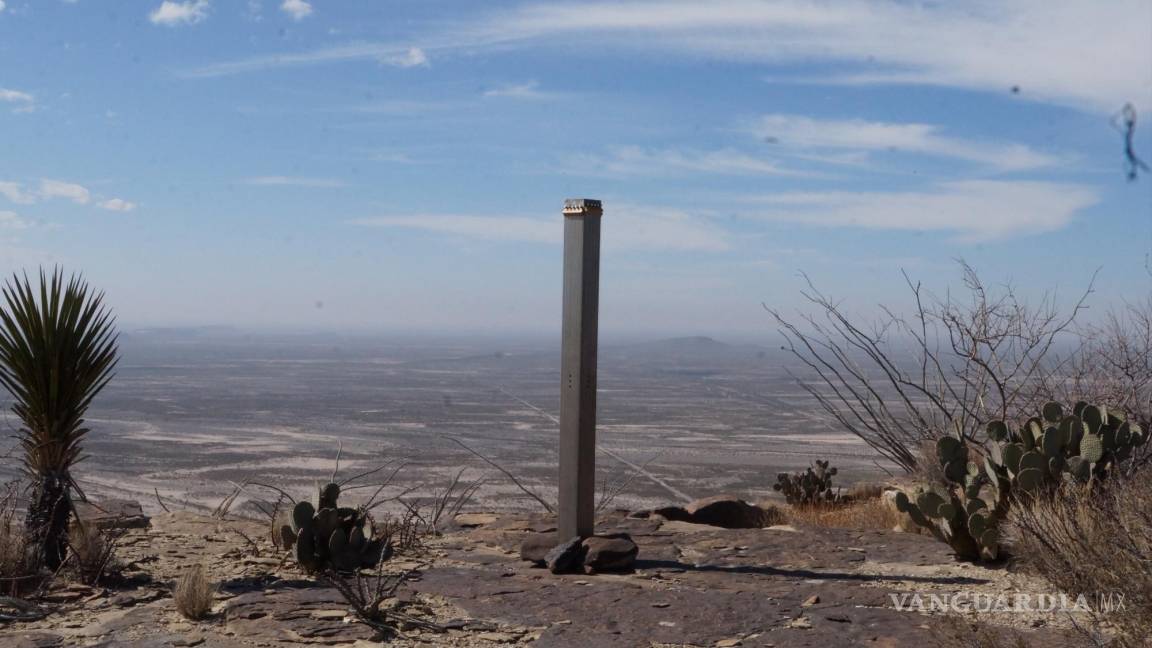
x=966, y=513
x=1081, y=446
x=333, y=537
x=809, y=488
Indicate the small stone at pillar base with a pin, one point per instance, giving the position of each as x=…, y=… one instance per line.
x=602, y=553
x=609, y=553
x=566, y=557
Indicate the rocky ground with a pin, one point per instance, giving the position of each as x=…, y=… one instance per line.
x=692, y=585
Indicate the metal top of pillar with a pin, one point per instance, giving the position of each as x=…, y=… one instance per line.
x=582, y=207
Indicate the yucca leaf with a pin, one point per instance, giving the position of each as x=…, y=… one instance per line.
x=58, y=350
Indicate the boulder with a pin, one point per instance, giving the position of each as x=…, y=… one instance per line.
x=609, y=553
x=904, y=523
x=672, y=514
x=473, y=520
x=730, y=512
x=112, y=514
x=566, y=557
x=536, y=546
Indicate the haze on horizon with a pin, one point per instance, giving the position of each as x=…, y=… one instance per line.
x=400, y=166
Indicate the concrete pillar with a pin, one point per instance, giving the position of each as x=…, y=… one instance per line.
x=578, y=367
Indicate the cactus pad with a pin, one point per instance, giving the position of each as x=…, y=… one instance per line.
x=1053, y=412
x=333, y=537
x=1093, y=417
x=302, y=515
x=1091, y=448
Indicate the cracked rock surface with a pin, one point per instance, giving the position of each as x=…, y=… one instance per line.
x=691, y=585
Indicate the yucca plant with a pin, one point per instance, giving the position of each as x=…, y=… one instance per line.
x=57, y=351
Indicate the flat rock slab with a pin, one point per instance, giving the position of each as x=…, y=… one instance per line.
x=112, y=514
x=293, y=616
x=697, y=584
x=691, y=585
x=601, y=611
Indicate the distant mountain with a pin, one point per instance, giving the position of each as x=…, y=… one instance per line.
x=696, y=352
x=183, y=331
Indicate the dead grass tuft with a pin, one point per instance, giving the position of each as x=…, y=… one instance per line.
x=866, y=490
x=868, y=514
x=194, y=593
x=774, y=515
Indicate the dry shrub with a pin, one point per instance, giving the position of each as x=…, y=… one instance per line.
x=1094, y=543
x=928, y=468
x=93, y=553
x=867, y=514
x=405, y=532
x=194, y=593
x=18, y=569
x=372, y=593
x=372, y=596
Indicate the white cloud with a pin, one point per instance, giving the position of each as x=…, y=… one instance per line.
x=385, y=53
x=527, y=90
x=1069, y=51
x=805, y=133
x=624, y=227
x=15, y=193
x=975, y=210
x=117, y=204
x=1072, y=52
x=68, y=190
x=634, y=160
x=353, y=52
x=10, y=220
x=172, y=13
x=50, y=189
x=298, y=9
x=24, y=102
x=290, y=181
x=413, y=57
x=1, y=5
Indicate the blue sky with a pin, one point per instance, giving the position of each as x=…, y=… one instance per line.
x=400, y=165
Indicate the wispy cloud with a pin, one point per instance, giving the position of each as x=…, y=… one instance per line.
x=171, y=13
x=298, y=9
x=117, y=204
x=49, y=189
x=804, y=133
x=412, y=57
x=23, y=101
x=293, y=181
x=489, y=228
x=10, y=220
x=634, y=160
x=529, y=90
x=60, y=189
x=1073, y=53
x=974, y=210
x=14, y=96
x=386, y=53
x=630, y=227
x=15, y=192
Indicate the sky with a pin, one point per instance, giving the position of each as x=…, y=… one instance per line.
x=400, y=165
